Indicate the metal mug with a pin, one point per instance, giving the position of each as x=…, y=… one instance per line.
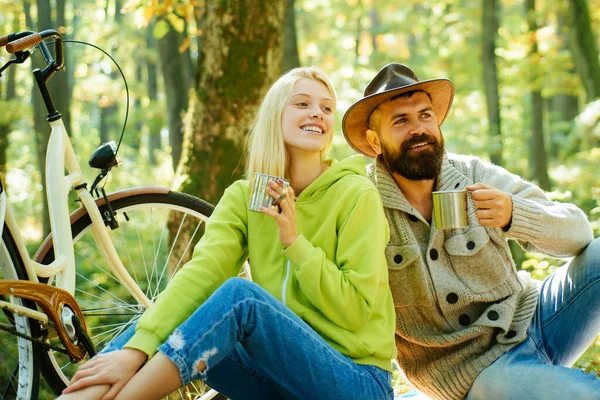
x=260, y=197
x=450, y=209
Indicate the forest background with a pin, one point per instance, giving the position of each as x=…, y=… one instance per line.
x=527, y=76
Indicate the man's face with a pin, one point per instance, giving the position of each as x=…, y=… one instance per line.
x=411, y=143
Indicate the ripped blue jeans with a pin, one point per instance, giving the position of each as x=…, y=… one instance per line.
x=254, y=347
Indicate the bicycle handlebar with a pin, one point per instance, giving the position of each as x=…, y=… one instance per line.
x=16, y=42
x=24, y=43
x=4, y=40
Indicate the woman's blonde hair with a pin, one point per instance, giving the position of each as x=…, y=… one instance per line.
x=265, y=145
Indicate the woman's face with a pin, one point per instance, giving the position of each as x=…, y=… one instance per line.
x=307, y=118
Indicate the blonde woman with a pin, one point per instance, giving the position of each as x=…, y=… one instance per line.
x=317, y=322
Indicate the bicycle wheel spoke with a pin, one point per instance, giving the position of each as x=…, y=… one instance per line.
x=98, y=267
x=187, y=247
x=103, y=290
x=166, y=263
x=123, y=239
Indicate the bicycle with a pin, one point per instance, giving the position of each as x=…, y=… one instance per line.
x=47, y=303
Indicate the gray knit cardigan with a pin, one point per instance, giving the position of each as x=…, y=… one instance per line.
x=460, y=302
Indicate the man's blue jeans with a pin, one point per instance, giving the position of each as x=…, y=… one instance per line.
x=256, y=348
x=566, y=322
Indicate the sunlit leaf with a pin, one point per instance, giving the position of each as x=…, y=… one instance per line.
x=131, y=5
x=176, y=22
x=161, y=29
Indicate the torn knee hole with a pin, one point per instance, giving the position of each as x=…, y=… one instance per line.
x=201, y=366
x=177, y=340
x=201, y=363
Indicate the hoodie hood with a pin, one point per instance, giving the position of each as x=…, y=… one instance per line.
x=354, y=165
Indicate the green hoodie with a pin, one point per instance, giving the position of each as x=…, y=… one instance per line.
x=334, y=275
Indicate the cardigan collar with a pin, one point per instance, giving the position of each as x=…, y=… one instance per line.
x=449, y=178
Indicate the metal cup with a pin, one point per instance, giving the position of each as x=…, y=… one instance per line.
x=260, y=197
x=450, y=209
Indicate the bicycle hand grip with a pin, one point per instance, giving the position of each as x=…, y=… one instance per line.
x=3, y=41
x=24, y=43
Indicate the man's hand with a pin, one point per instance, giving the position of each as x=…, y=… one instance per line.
x=494, y=207
x=115, y=368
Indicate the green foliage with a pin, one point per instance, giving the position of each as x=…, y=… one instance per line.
x=539, y=266
x=579, y=158
x=11, y=111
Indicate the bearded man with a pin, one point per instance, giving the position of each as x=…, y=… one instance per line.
x=469, y=324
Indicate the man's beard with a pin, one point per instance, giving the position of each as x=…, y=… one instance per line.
x=421, y=165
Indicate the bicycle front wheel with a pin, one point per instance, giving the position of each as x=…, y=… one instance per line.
x=155, y=237
x=19, y=374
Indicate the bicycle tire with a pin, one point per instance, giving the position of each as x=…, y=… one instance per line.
x=131, y=210
x=19, y=369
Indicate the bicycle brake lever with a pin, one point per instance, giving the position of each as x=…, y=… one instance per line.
x=20, y=58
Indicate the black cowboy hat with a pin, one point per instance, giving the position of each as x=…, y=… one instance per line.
x=390, y=81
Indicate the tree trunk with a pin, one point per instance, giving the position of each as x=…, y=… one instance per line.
x=173, y=68
x=41, y=127
x=537, y=150
x=490, y=78
x=107, y=122
x=153, y=128
x=583, y=48
x=72, y=54
x=290, y=41
x=118, y=15
x=237, y=64
x=562, y=107
x=359, y=30
x=7, y=94
x=5, y=125
x=4, y=141
x=59, y=85
x=188, y=64
x=375, y=27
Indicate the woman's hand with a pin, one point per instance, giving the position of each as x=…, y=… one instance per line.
x=115, y=368
x=284, y=214
x=494, y=207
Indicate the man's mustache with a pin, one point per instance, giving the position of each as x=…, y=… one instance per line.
x=422, y=138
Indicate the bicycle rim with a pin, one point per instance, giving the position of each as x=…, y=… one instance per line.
x=156, y=236
x=19, y=375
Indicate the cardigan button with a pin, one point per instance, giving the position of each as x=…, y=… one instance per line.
x=398, y=258
x=464, y=320
x=510, y=334
x=433, y=253
x=452, y=298
x=493, y=315
x=412, y=218
x=470, y=245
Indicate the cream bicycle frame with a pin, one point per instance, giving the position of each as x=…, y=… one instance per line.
x=60, y=156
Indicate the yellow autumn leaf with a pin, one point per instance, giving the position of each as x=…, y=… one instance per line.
x=148, y=13
x=185, y=45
